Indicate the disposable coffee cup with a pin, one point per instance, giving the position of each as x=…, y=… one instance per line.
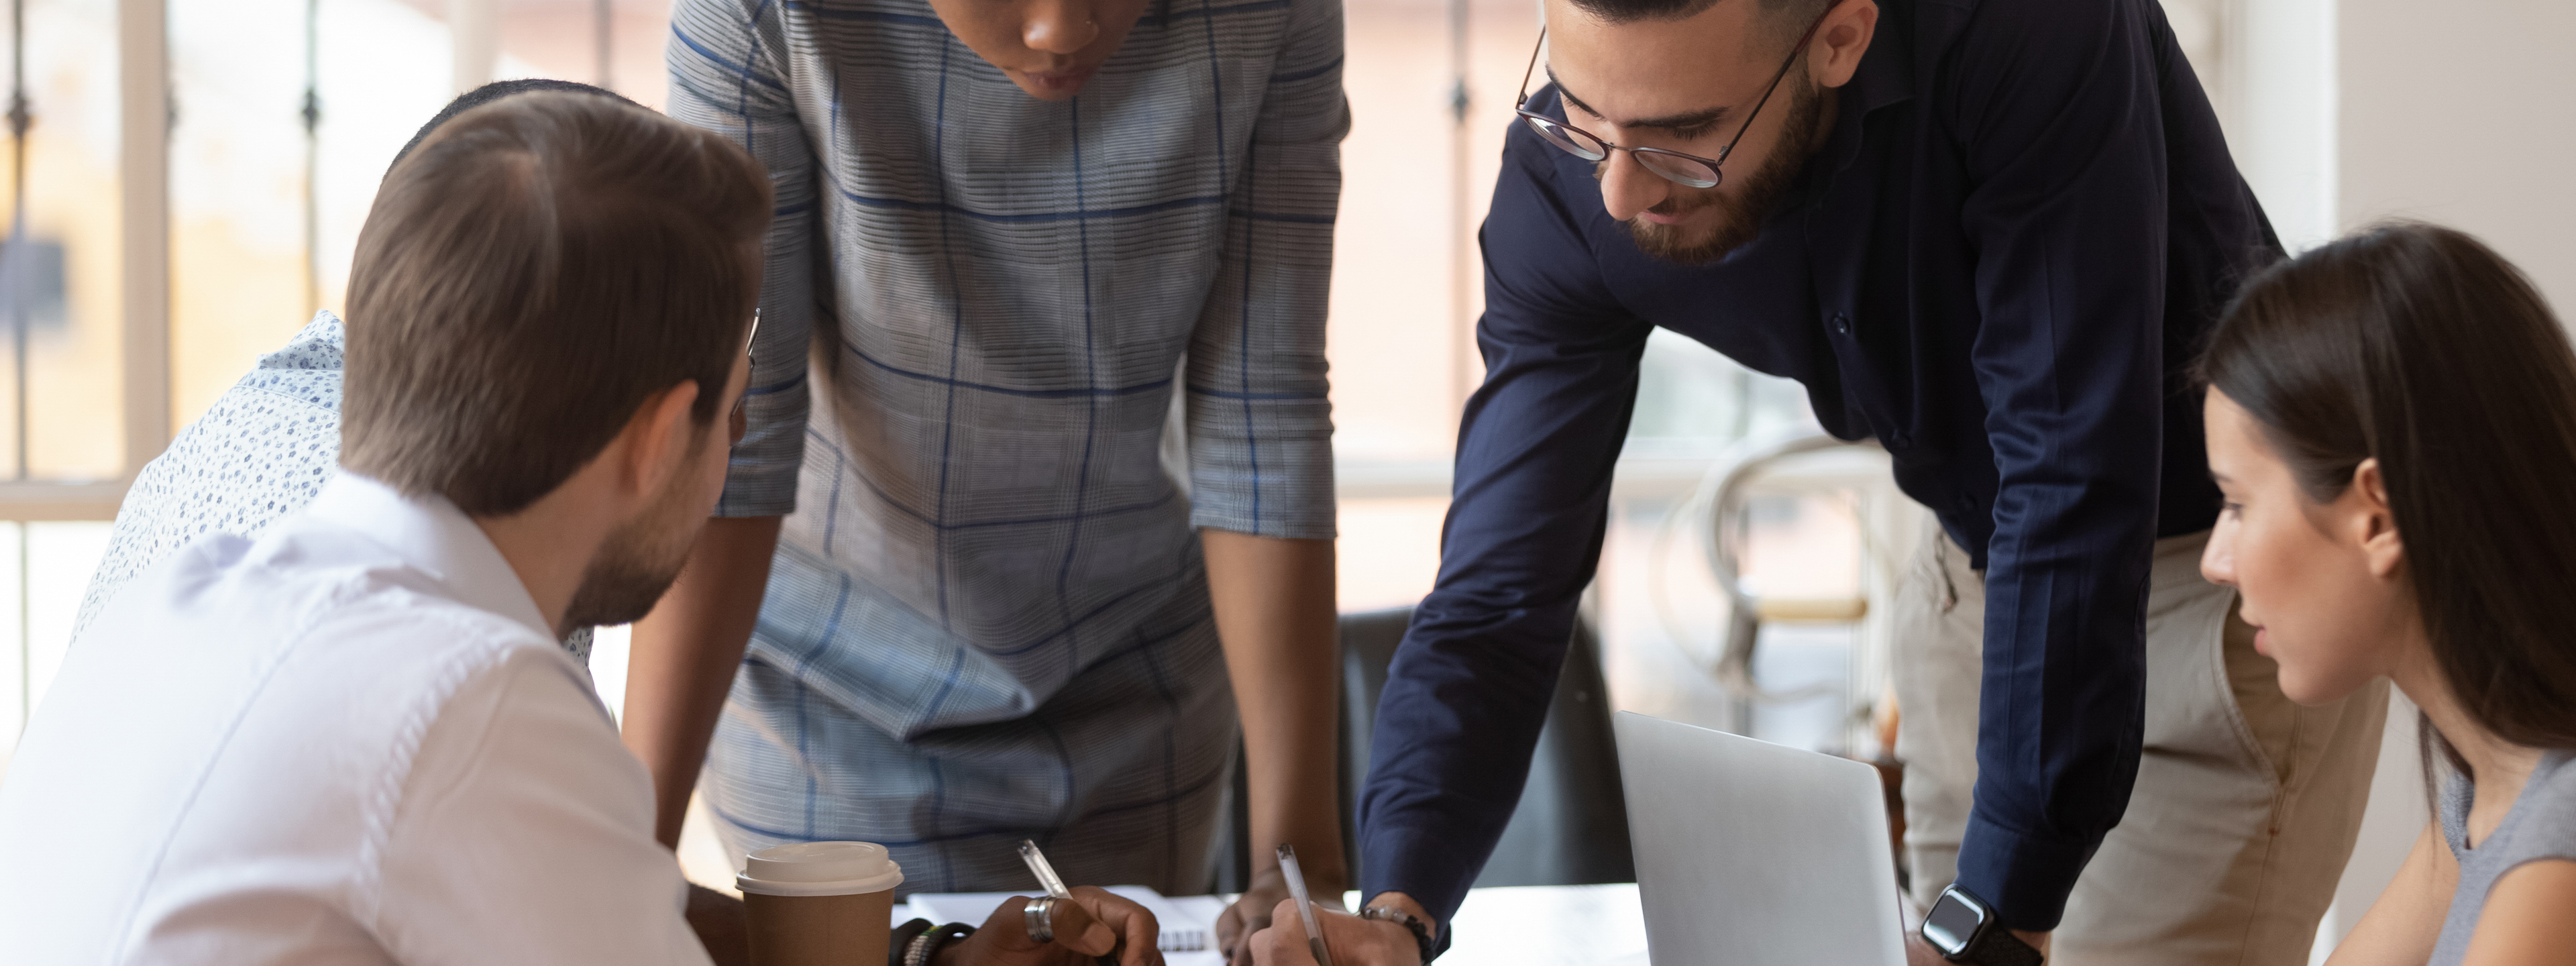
x=819, y=903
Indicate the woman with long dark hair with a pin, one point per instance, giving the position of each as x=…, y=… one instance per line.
x=2392, y=420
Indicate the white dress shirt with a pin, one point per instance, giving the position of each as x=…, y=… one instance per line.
x=353, y=740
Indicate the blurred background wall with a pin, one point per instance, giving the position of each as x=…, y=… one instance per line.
x=148, y=264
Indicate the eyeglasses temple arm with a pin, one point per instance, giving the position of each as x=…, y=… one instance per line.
x=1803, y=39
x=1533, y=67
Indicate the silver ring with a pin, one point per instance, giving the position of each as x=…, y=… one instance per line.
x=1040, y=914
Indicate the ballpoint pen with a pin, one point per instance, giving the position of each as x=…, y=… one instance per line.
x=1305, y=905
x=1043, y=916
x=1046, y=873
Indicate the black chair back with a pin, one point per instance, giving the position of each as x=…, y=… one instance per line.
x=1571, y=826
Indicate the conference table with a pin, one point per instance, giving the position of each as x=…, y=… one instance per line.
x=1588, y=925
x=1591, y=925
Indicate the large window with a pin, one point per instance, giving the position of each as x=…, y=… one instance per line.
x=60, y=265
x=282, y=115
x=1431, y=85
x=62, y=326
x=265, y=211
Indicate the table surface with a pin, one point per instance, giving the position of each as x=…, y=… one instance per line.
x=1594, y=925
x=1591, y=925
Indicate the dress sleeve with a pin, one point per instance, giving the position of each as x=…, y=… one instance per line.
x=1260, y=426
x=2060, y=125
x=1469, y=688
x=724, y=62
x=525, y=834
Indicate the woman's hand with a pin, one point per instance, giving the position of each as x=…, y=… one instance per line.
x=1095, y=924
x=1353, y=941
x=1250, y=912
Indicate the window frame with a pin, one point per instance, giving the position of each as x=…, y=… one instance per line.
x=143, y=272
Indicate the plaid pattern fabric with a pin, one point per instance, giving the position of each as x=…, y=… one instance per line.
x=988, y=617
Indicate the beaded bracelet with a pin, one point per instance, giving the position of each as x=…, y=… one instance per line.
x=1411, y=923
x=900, y=941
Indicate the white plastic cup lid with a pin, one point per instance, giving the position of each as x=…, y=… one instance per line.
x=819, y=869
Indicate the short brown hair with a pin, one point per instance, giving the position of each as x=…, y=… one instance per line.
x=527, y=278
x=2422, y=348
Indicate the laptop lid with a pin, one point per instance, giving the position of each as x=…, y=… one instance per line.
x=1755, y=853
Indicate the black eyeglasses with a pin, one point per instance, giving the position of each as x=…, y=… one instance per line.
x=1685, y=169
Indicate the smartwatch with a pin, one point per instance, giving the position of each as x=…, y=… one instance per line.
x=1962, y=928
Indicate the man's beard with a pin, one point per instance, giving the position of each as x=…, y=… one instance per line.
x=637, y=562
x=1740, y=213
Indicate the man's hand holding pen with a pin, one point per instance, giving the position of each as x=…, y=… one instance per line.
x=1250, y=913
x=1086, y=926
x=1090, y=926
x=1354, y=941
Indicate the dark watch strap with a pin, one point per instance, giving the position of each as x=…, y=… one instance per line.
x=1421, y=930
x=1997, y=946
x=925, y=946
x=901, y=940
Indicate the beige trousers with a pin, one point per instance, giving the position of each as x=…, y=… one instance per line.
x=2246, y=804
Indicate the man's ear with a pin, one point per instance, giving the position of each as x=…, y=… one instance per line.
x=2372, y=522
x=1833, y=55
x=656, y=441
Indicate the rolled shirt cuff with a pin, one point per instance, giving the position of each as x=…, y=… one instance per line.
x=1421, y=864
x=2024, y=877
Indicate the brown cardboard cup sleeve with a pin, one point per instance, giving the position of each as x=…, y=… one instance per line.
x=819, y=903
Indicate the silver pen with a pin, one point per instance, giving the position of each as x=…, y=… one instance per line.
x=1055, y=890
x=1305, y=904
x=1046, y=873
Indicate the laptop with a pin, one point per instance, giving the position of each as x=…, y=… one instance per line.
x=1754, y=853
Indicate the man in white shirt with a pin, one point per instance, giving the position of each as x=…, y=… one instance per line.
x=355, y=739
x=266, y=446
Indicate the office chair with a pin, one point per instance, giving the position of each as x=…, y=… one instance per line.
x=1571, y=826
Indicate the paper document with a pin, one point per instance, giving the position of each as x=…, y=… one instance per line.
x=1188, y=922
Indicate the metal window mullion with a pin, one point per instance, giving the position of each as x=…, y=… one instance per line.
x=143, y=67
x=20, y=118
x=1462, y=234
x=310, y=112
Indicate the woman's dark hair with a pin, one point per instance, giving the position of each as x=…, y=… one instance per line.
x=2421, y=347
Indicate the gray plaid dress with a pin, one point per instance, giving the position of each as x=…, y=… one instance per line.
x=988, y=618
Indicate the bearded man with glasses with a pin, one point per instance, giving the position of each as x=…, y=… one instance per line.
x=1988, y=235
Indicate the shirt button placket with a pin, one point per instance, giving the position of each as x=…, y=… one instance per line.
x=1842, y=324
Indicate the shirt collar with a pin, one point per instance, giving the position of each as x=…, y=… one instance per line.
x=1885, y=76
x=319, y=345
x=433, y=536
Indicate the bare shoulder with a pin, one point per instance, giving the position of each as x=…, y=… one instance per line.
x=2526, y=917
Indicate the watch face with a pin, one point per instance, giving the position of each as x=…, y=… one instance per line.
x=1952, y=924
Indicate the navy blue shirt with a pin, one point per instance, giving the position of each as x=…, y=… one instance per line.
x=1999, y=265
